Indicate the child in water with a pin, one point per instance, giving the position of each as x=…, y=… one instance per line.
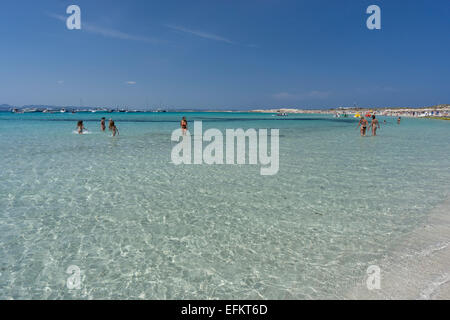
x=80, y=127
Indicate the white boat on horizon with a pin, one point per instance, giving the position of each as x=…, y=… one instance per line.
x=29, y=110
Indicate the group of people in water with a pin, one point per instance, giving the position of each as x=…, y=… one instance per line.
x=374, y=125
x=111, y=126
x=362, y=124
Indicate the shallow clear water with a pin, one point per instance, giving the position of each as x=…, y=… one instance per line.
x=140, y=227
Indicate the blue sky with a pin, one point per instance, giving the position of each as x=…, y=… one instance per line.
x=225, y=54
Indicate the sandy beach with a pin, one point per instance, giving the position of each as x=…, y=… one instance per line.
x=419, y=266
x=438, y=112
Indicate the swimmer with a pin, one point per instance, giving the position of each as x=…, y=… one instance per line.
x=363, y=123
x=398, y=120
x=375, y=125
x=111, y=123
x=102, y=124
x=113, y=128
x=80, y=127
x=183, y=125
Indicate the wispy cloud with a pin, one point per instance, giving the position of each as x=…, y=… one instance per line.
x=315, y=94
x=201, y=34
x=131, y=82
x=60, y=82
x=106, y=32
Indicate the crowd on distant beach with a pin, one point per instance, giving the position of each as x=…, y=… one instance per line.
x=434, y=111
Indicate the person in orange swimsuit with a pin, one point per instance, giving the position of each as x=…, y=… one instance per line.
x=183, y=125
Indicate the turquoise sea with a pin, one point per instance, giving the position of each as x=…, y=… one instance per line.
x=137, y=226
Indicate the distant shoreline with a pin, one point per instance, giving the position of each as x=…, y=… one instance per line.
x=433, y=112
x=436, y=112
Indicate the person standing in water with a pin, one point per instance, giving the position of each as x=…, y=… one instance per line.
x=113, y=128
x=398, y=120
x=375, y=125
x=102, y=124
x=111, y=123
x=80, y=127
x=183, y=125
x=363, y=123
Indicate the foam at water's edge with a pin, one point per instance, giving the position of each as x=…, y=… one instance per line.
x=419, y=267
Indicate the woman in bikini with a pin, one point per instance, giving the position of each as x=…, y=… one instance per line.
x=102, y=124
x=363, y=123
x=113, y=128
x=375, y=125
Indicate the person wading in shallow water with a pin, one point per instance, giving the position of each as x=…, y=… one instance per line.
x=80, y=127
x=102, y=124
x=363, y=123
x=375, y=125
x=183, y=125
x=113, y=128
